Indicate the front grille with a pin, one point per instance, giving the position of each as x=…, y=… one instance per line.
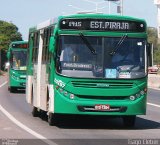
x=103, y=97
x=112, y=85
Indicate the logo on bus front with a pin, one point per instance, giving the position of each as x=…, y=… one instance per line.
x=103, y=85
x=59, y=83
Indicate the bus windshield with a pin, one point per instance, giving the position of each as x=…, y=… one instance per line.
x=18, y=59
x=113, y=58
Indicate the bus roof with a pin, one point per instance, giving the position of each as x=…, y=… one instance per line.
x=19, y=42
x=101, y=15
x=44, y=24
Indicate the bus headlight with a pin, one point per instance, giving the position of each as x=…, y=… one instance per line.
x=65, y=93
x=71, y=96
x=14, y=77
x=142, y=92
x=132, y=98
x=138, y=95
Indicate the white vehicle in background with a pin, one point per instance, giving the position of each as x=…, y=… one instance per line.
x=6, y=66
x=153, y=69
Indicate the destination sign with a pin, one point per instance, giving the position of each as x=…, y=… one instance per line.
x=83, y=66
x=102, y=25
x=25, y=46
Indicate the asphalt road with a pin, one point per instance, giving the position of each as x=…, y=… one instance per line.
x=17, y=126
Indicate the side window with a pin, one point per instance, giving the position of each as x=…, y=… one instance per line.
x=46, y=38
x=50, y=33
x=44, y=46
x=35, y=47
x=29, y=54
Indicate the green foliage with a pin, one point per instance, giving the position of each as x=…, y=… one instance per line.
x=152, y=35
x=8, y=33
x=153, y=38
x=157, y=55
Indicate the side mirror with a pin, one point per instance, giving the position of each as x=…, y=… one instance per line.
x=51, y=44
x=150, y=54
x=8, y=55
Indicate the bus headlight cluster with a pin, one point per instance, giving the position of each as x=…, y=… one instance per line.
x=132, y=98
x=65, y=93
x=14, y=77
x=138, y=95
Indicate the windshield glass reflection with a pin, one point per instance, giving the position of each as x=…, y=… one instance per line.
x=18, y=60
x=75, y=59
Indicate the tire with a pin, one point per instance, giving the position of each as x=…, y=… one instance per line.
x=43, y=115
x=129, y=121
x=12, y=89
x=52, y=120
x=35, y=112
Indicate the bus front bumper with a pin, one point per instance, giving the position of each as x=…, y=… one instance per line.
x=65, y=105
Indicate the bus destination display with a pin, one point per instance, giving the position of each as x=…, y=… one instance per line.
x=102, y=25
x=25, y=46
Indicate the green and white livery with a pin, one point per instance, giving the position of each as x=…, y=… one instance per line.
x=88, y=64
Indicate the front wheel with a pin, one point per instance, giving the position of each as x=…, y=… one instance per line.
x=12, y=89
x=35, y=112
x=52, y=120
x=129, y=121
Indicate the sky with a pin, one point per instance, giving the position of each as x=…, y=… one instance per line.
x=27, y=13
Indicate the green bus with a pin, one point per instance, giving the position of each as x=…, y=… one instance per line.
x=88, y=64
x=17, y=57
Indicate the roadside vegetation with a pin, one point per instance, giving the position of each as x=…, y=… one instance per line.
x=153, y=38
x=8, y=33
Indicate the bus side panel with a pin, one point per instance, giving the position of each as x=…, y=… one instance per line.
x=43, y=88
x=35, y=86
x=29, y=89
x=37, y=76
x=51, y=98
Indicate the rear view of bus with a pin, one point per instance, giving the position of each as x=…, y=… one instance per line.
x=17, y=56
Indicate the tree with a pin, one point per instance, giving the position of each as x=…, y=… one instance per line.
x=8, y=33
x=157, y=55
x=153, y=38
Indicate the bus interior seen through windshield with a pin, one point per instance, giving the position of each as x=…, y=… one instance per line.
x=18, y=59
x=101, y=57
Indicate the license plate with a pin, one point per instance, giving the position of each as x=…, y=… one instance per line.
x=102, y=107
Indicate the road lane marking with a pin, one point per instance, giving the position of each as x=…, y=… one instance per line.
x=18, y=123
x=39, y=136
x=155, y=105
x=154, y=88
x=3, y=84
x=22, y=126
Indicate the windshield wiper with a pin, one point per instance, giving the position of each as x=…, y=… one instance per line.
x=87, y=43
x=120, y=42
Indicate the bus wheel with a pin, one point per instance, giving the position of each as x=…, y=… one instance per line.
x=129, y=121
x=12, y=89
x=35, y=112
x=52, y=119
x=43, y=115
